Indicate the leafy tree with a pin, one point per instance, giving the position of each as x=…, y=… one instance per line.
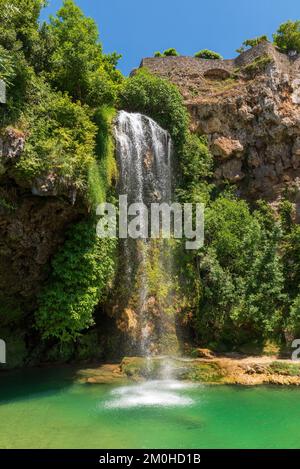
x=208, y=54
x=6, y=66
x=241, y=275
x=19, y=25
x=158, y=54
x=291, y=261
x=286, y=216
x=287, y=37
x=19, y=40
x=157, y=98
x=78, y=64
x=252, y=43
x=293, y=320
x=195, y=162
x=61, y=141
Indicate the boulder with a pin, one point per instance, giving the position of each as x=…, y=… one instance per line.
x=225, y=147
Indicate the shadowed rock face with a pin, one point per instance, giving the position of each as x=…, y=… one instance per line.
x=32, y=228
x=251, y=120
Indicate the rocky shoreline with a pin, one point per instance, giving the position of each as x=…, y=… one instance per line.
x=247, y=371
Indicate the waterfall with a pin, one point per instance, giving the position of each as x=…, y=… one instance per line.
x=144, y=157
x=144, y=153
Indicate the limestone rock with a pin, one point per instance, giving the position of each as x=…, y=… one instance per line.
x=296, y=91
x=204, y=353
x=230, y=171
x=251, y=122
x=12, y=144
x=226, y=147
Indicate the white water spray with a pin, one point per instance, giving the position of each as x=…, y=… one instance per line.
x=144, y=153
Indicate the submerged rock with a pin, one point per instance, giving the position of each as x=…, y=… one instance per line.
x=104, y=374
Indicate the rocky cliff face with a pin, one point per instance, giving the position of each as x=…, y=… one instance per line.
x=31, y=230
x=249, y=109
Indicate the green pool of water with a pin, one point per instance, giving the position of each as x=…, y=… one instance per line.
x=48, y=409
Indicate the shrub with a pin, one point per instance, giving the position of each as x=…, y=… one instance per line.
x=167, y=53
x=287, y=37
x=6, y=66
x=241, y=275
x=208, y=54
x=252, y=43
x=195, y=163
x=257, y=66
x=171, y=52
x=61, y=140
x=157, y=98
x=81, y=273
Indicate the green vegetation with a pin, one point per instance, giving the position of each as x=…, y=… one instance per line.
x=287, y=37
x=257, y=66
x=208, y=54
x=167, y=53
x=77, y=64
x=6, y=66
x=242, y=282
x=61, y=140
x=62, y=92
x=81, y=272
x=288, y=369
x=158, y=99
x=103, y=172
x=205, y=372
x=195, y=167
x=241, y=288
x=252, y=43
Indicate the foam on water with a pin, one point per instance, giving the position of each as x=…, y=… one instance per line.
x=157, y=393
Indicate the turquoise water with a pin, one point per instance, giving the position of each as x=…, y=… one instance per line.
x=48, y=409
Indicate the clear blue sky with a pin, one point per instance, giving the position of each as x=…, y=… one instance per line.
x=137, y=28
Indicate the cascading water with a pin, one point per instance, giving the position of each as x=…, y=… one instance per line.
x=144, y=153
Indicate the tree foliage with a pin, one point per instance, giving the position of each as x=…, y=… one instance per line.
x=157, y=98
x=287, y=37
x=61, y=141
x=208, y=54
x=167, y=53
x=252, y=43
x=59, y=84
x=241, y=275
x=81, y=273
x=77, y=64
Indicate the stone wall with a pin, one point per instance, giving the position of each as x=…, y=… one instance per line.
x=251, y=118
x=191, y=66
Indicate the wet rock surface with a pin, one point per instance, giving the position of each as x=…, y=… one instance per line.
x=218, y=370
